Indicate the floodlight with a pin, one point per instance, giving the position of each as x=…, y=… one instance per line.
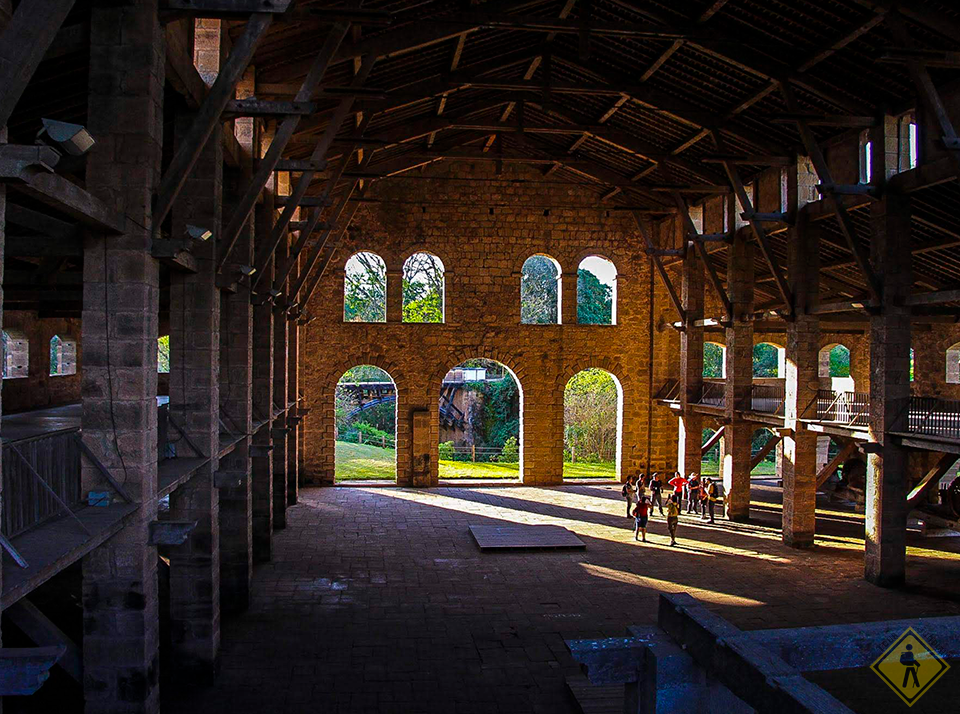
x=198, y=233
x=247, y=270
x=72, y=138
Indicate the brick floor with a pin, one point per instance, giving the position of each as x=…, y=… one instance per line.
x=378, y=599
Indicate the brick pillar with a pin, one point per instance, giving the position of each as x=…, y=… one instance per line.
x=119, y=378
x=738, y=434
x=236, y=380
x=691, y=365
x=280, y=369
x=568, y=298
x=797, y=453
x=5, y=13
x=293, y=393
x=236, y=392
x=263, y=510
x=394, y=295
x=886, y=509
x=195, y=405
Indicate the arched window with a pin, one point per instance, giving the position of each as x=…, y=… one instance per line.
x=596, y=291
x=714, y=360
x=16, y=354
x=834, y=361
x=365, y=288
x=163, y=354
x=913, y=370
x=423, y=288
x=63, y=356
x=540, y=291
x=769, y=360
x=953, y=364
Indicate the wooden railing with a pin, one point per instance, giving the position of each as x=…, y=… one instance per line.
x=938, y=417
x=713, y=394
x=41, y=476
x=845, y=408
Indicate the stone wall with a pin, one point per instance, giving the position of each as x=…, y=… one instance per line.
x=483, y=244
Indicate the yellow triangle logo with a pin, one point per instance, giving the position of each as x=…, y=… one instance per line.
x=910, y=666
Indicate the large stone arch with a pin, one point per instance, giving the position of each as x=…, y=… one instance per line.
x=320, y=423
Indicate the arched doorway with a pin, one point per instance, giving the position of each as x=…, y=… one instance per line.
x=479, y=415
x=592, y=425
x=365, y=409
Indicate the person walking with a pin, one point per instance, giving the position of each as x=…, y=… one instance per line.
x=709, y=499
x=640, y=516
x=656, y=486
x=673, y=517
x=693, y=493
x=629, y=494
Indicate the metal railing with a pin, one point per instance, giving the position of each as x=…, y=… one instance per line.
x=41, y=476
x=845, y=408
x=713, y=395
x=934, y=416
x=768, y=398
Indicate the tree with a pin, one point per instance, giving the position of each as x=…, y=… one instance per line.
x=590, y=416
x=839, y=361
x=163, y=354
x=594, y=300
x=766, y=360
x=365, y=289
x=423, y=288
x=539, y=291
x=712, y=360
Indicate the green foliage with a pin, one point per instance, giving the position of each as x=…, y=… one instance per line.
x=163, y=354
x=423, y=286
x=382, y=417
x=712, y=360
x=590, y=416
x=363, y=373
x=365, y=289
x=714, y=453
x=55, y=351
x=372, y=433
x=766, y=360
x=511, y=451
x=539, y=291
x=364, y=462
x=501, y=405
x=840, y=361
x=594, y=300
x=445, y=451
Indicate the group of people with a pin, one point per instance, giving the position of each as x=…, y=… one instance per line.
x=642, y=493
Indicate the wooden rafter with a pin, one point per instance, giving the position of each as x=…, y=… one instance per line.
x=661, y=271
x=690, y=229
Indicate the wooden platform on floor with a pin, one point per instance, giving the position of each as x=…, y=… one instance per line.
x=522, y=537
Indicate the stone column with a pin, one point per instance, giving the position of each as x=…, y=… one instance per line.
x=568, y=297
x=394, y=295
x=691, y=364
x=738, y=434
x=263, y=510
x=119, y=379
x=886, y=509
x=195, y=405
x=236, y=392
x=797, y=453
x=293, y=393
x=5, y=12
x=280, y=369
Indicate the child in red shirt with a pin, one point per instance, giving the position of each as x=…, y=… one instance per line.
x=641, y=515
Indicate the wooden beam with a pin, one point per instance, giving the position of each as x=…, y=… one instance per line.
x=935, y=298
x=253, y=107
x=712, y=441
x=812, y=119
x=831, y=468
x=72, y=201
x=318, y=273
x=44, y=633
x=931, y=479
x=23, y=44
x=208, y=116
x=221, y=8
x=661, y=271
x=690, y=229
x=767, y=448
x=287, y=127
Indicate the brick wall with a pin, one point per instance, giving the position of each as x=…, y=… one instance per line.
x=39, y=389
x=483, y=228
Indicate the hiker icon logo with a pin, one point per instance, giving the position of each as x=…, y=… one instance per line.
x=910, y=666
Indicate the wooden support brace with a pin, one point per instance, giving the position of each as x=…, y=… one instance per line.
x=284, y=133
x=712, y=441
x=104, y=471
x=767, y=448
x=208, y=117
x=693, y=234
x=661, y=271
x=63, y=505
x=930, y=479
x=831, y=468
x=44, y=633
x=345, y=222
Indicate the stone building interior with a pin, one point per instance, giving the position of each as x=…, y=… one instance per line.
x=335, y=333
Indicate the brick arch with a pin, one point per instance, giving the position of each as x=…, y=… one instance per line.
x=597, y=253
x=354, y=359
x=598, y=362
x=520, y=260
x=421, y=247
x=508, y=360
x=352, y=252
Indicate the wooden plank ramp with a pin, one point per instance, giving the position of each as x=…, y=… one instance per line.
x=595, y=698
x=525, y=537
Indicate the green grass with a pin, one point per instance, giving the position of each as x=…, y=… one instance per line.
x=603, y=469
x=362, y=462
x=764, y=468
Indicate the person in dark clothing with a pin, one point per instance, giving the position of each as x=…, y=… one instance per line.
x=693, y=494
x=656, y=486
x=709, y=499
